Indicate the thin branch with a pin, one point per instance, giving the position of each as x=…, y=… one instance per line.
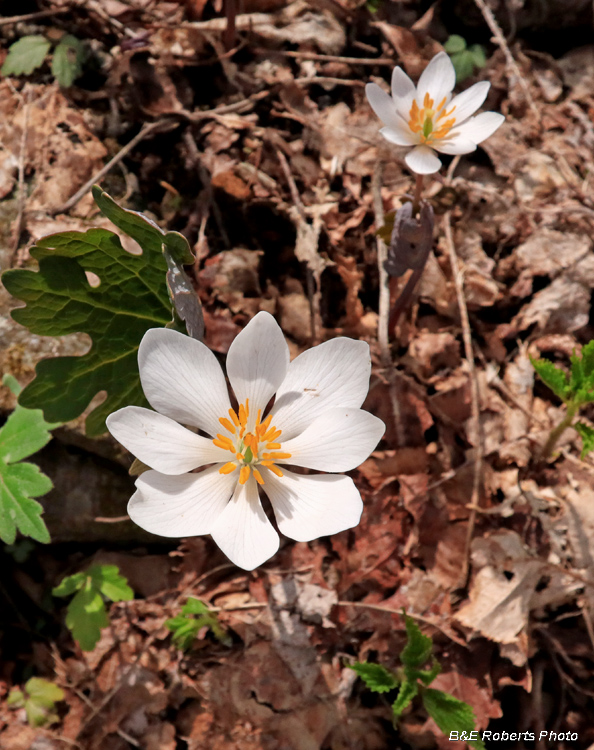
x=382, y=256
x=33, y=16
x=475, y=402
x=511, y=63
x=326, y=58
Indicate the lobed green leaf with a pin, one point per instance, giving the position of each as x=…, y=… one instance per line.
x=418, y=646
x=376, y=677
x=408, y=690
x=25, y=55
x=553, y=377
x=587, y=435
x=450, y=714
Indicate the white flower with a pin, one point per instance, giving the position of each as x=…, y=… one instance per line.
x=315, y=423
x=428, y=119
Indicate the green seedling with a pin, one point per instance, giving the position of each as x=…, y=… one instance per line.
x=575, y=390
x=24, y=433
x=86, y=614
x=194, y=616
x=30, y=52
x=464, y=59
x=412, y=680
x=38, y=698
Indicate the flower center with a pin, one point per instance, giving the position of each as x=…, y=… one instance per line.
x=258, y=445
x=432, y=123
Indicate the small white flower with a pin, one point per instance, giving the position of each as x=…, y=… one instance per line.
x=315, y=423
x=426, y=117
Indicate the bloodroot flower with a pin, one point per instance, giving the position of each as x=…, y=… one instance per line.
x=315, y=423
x=427, y=119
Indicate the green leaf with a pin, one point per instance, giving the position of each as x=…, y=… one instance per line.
x=587, y=435
x=131, y=298
x=450, y=714
x=554, y=377
x=39, y=699
x=588, y=361
x=428, y=675
x=67, y=60
x=376, y=677
x=408, y=690
x=25, y=55
x=576, y=379
x=463, y=65
x=86, y=614
x=478, y=55
x=24, y=433
x=455, y=43
x=418, y=646
x=107, y=579
x=185, y=627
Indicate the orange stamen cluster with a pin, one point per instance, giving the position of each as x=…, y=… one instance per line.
x=425, y=120
x=246, y=444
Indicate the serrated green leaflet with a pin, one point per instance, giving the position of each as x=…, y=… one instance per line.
x=24, y=433
x=587, y=435
x=67, y=60
x=552, y=376
x=418, y=646
x=131, y=298
x=86, y=615
x=25, y=55
x=376, y=677
x=450, y=714
x=408, y=690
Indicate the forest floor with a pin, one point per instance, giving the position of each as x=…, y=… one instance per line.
x=261, y=149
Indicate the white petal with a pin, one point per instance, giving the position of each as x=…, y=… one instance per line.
x=257, y=361
x=403, y=136
x=160, y=442
x=422, y=160
x=182, y=379
x=335, y=373
x=187, y=505
x=467, y=103
x=402, y=87
x=455, y=144
x=243, y=531
x=308, y=507
x=479, y=128
x=339, y=440
x=438, y=79
x=384, y=107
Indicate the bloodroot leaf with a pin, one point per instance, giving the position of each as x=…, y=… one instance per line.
x=130, y=298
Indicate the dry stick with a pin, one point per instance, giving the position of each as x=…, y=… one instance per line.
x=18, y=226
x=146, y=130
x=511, y=63
x=33, y=16
x=327, y=58
x=475, y=405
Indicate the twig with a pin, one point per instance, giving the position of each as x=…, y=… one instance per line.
x=326, y=58
x=511, y=63
x=389, y=610
x=330, y=81
x=475, y=403
x=18, y=225
x=33, y=16
x=144, y=132
x=111, y=519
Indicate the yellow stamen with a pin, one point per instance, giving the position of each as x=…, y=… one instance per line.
x=275, y=456
x=244, y=474
x=234, y=417
x=271, y=435
x=227, y=425
x=258, y=476
x=243, y=415
x=275, y=470
x=228, y=468
x=427, y=101
x=239, y=456
x=224, y=443
x=251, y=442
x=273, y=446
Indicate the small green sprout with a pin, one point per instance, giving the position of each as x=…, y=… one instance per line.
x=575, y=390
x=86, y=614
x=464, y=59
x=186, y=626
x=449, y=713
x=38, y=698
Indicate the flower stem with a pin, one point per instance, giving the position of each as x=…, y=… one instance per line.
x=557, y=431
x=417, y=195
